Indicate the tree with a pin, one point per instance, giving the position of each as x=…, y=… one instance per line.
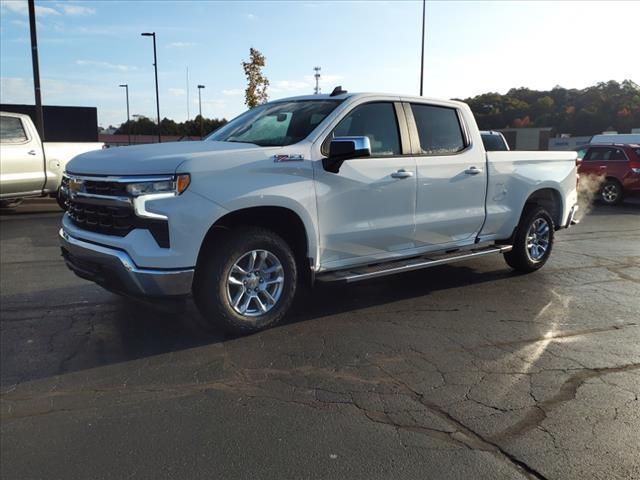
x=578, y=112
x=257, y=83
x=191, y=128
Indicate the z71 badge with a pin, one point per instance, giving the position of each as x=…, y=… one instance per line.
x=287, y=158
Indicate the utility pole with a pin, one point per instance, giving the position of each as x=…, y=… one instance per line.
x=424, y=6
x=316, y=90
x=126, y=87
x=200, y=87
x=36, y=82
x=155, y=66
x=36, y=70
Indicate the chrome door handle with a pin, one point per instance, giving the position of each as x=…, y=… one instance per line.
x=402, y=173
x=31, y=152
x=473, y=171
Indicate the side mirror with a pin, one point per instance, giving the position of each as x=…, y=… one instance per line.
x=345, y=148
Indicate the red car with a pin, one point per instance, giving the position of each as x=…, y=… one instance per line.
x=619, y=164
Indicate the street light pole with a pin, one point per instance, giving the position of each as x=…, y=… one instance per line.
x=155, y=66
x=39, y=118
x=424, y=6
x=200, y=87
x=126, y=87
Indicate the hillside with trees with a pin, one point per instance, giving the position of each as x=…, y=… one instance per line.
x=605, y=106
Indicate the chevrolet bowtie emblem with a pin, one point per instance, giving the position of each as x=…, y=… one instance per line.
x=75, y=186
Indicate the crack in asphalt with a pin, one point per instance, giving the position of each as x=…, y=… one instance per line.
x=567, y=392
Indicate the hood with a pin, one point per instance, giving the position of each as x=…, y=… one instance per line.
x=155, y=158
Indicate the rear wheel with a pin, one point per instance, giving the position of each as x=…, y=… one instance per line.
x=246, y=280
x=533, y=240
x=611, y=192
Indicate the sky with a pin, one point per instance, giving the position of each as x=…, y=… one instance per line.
x=88, y=48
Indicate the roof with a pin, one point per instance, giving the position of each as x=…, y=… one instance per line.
x=355, y=95
x=612, y=144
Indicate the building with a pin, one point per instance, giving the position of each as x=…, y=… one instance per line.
x=533, y=138
x=567, y=142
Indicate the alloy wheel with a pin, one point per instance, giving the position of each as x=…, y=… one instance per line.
x=255, y=283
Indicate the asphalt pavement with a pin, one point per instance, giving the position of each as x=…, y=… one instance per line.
x=464, y=371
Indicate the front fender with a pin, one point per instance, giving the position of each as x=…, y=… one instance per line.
x=264, y=183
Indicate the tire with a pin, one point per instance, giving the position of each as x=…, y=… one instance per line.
x=532, y=245
x=219, y=276
x=611, y=192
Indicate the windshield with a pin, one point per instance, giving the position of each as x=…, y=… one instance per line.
x=276, y=124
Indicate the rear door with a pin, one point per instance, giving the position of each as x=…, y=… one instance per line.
x=452, y=176
x=366, y=210
x=21, y=161
x=605, y=162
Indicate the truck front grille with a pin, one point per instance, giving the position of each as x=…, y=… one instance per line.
x=94, y=210
x=107, y=220
x=113, y=189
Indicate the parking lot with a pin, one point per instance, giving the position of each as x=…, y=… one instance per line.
x=461, y=371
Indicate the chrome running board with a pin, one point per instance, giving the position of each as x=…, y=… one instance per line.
x=356, y=274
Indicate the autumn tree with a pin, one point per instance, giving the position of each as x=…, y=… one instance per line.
x=257, y=83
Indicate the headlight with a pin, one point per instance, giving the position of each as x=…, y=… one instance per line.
x=176, y=185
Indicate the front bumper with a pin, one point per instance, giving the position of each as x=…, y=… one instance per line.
x=115, y=270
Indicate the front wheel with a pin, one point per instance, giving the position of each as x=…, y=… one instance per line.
x=533, y=240
x=246, y=280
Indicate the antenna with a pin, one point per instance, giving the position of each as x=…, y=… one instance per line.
x=316, y=90
x=337, y=91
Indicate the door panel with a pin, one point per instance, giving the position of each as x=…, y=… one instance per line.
x=21, y=169
x=450, y=205
x=363, y=212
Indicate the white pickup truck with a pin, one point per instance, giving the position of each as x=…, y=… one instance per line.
x=29, y=167
x=341, y=188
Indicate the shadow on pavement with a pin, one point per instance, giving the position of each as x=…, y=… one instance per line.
x=87, y=334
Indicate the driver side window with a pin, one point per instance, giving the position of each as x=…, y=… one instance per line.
x=374, y=120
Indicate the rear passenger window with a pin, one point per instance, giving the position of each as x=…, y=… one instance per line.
x=376, y=121
x=599, y=154
x=617, y=154
x=11, y=130
x=438, y=128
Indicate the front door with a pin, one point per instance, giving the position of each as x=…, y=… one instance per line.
x=366, y=210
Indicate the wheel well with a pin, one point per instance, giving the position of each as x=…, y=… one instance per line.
x=551, y=200
x=613, y=179
x=280, y=220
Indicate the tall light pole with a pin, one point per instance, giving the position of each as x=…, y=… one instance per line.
x=200, y=87
x=126, y=87
x=36, y=69
x=424, y=6
x=155, y=66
